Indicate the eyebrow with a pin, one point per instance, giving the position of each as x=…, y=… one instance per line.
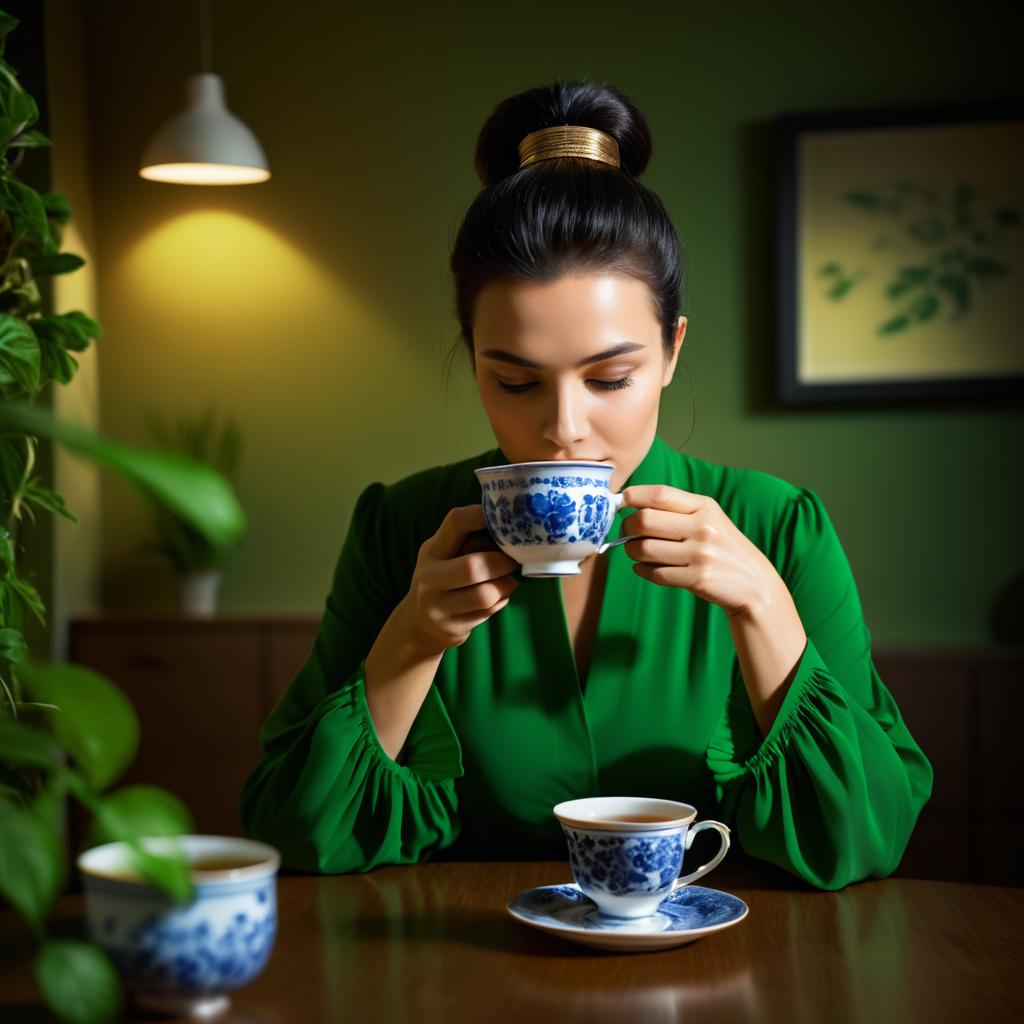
x=508, y=357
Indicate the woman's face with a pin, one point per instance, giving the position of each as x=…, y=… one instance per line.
x=552, y=343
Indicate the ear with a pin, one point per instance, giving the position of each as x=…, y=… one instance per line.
x=670, y=366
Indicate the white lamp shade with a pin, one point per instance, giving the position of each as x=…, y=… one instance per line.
x=205, y=145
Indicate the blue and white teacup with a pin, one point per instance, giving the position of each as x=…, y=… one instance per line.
x=626, y=852
x=549, y=516
x=184, y=959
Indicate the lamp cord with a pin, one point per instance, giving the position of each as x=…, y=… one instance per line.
x=204, y=35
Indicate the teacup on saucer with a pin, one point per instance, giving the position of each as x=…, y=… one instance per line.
x=626, y=852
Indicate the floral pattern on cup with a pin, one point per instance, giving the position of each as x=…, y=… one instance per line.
x=193, y=951
x=625, y=865
x=548, y=517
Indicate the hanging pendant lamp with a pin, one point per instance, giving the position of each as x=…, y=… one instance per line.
x=206, y=144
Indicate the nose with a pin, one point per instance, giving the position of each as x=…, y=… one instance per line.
x=565, y=418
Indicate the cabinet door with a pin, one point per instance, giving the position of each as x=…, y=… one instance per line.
x=935, y=698
x=196, y=688
x=288, y=645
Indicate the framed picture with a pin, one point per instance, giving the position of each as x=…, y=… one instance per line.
x=900, y=249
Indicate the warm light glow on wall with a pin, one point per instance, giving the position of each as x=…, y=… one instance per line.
x=215, y=273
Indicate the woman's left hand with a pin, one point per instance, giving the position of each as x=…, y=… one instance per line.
x=689, y=542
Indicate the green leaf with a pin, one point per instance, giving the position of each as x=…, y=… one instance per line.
x=78, y=981
x=910, y=277
x=57, y=207
x=27, y=595
x=31, y=866
x=895, y=325
x=983, y=267
x=167, y=867
x=959, y=289
x=865, y=200
x=17, y=108
x=924, y=307
x=7, y=23
x=12, y=649
x=193, y=491
x=169, y=871
x=43, y=497
x=19, y=354
x=31, y=139
x=840, y=288
x=136, y=811
x=55, y=263
x=12, y=466
x=6, y=550
x=20, y=744
x=29, y=215
x=96, y=723
x=57, y=365
x=72, y=330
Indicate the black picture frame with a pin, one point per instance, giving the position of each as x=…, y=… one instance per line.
x=794, y=385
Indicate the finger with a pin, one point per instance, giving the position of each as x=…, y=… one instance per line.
x=668, y=575
x=478, y=540
x=454, y=527
x=479, y=597
x=663, y=496
x=476, y=618
x=659, y=552
x=476, y=567
x=654, y=522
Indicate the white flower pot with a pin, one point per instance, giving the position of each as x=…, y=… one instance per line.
x=199, y=592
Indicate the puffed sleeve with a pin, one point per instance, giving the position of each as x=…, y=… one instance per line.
x=325, y=792
x=833, y=791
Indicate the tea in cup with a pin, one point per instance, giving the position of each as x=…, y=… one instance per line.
x=549, y=516
x=184, y=959
x=626, y=852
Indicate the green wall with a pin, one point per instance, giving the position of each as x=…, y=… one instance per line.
x=316, y=307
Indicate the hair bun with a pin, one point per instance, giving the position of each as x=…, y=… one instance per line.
x=590, y=104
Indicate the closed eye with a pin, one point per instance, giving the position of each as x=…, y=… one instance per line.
x=604, y=385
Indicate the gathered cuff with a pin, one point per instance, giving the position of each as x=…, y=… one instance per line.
x=736, y=748
x=432, y=749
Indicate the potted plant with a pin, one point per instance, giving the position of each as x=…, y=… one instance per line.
x=64, y=729
x=199, y=561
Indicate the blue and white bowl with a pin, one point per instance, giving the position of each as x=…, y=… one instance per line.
x=628, y=867
x=549, y=516
x=184, y=959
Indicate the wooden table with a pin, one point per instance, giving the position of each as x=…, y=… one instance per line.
x=433, y=943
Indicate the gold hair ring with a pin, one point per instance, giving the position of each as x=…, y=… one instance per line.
x=568, y=140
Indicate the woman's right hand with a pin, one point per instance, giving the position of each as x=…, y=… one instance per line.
x=451, y=593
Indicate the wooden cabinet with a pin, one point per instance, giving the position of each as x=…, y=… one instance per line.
x=964, y=709
x=202, y=689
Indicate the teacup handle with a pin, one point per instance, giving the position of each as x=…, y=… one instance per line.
x=714, y=862
x=616, y=499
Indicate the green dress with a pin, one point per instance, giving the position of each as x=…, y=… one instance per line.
x=831, y=794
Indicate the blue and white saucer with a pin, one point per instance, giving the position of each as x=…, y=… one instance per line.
x=690, y=913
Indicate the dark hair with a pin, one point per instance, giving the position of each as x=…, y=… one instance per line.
x=563, y=215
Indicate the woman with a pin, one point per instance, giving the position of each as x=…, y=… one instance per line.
x=448, y=703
